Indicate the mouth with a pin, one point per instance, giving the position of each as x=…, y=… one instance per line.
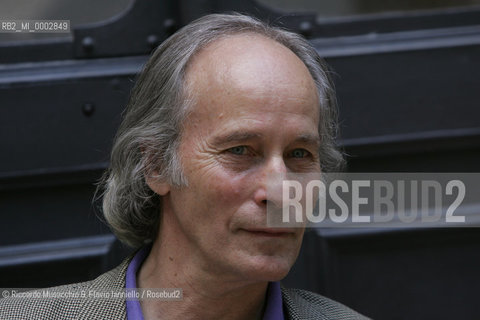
x=272, y=232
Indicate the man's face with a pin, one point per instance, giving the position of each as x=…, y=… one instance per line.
x=255, y=115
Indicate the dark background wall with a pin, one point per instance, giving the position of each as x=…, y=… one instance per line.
x=407, y=82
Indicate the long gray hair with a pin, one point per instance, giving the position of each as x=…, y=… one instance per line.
x=148, y=138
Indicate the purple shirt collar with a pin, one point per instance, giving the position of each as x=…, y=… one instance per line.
x=273, y=309
x=134, y=311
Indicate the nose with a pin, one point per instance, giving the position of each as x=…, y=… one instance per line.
x=269, y=184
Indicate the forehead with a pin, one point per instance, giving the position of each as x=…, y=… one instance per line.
x=249, y=65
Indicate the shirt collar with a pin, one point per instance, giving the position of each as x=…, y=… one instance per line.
x=134, y=311
x=273, y=309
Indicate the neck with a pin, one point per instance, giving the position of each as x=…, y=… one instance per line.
x=207, y=294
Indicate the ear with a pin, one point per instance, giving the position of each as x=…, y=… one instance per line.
x=158, y=186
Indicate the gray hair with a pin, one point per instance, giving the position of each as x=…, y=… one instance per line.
x=148, y=138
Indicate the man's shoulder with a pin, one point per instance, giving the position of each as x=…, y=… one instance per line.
x=41, y=307
x=38, y=305
x=302, y=304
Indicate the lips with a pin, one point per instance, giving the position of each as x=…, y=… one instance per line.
x=271, y=232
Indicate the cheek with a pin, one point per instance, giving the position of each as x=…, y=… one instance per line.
x=211, y=181
x=225, y=188
x=213, y=206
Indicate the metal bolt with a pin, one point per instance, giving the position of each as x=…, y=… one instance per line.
x=115, y=84
x=88, y=43
x=152, y=40
x=88, y=109
x=170, y=26
x=306, y=28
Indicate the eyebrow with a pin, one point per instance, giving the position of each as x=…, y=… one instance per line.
x=237, y=136
x=309, y=139
x=242, y=136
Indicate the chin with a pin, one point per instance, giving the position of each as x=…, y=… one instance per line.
x=269, y=268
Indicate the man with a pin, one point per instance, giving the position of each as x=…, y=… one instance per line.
x=220, y=106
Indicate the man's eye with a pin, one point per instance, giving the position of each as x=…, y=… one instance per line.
x=299, y=153
x=240, y=150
